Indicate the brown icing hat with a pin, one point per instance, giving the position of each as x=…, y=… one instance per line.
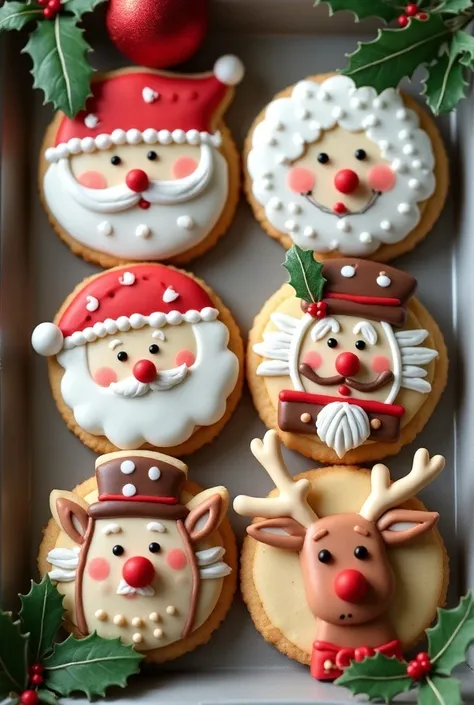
x=139, y=484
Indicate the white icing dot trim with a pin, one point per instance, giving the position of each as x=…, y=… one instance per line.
x=154, y=473
x=348, y=271
x=127, y=467
x=129, y=490
x=383, y=280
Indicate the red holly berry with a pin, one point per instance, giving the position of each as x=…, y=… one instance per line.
x=36, y=668
x=55, y=5
x=415, y=670
x=411, y=9
x=36, y=679
x=424, y=660
x=423, y=656
x=49, y=14
x=403, y=20
x=42, y=2
x=423, y=16
x=29, y=697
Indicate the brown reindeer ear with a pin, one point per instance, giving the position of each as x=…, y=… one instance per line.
x=282, y=532
x=204, y=518
x=400, y=526
x=70, y=513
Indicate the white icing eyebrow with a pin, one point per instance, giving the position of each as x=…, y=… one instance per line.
x=156, y=526
x=323, y=327
x=368, y=331
x=158, y=334
x=113, y=343
x=111, y=529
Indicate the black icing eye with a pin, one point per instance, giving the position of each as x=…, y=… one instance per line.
x=332, y=343
x=152, y=156
x=118, y=550
x=115, y=160
x=122, y=356
x=360, y=344
x=323, y=158
x=361, y=553
x=324, y=556
x=360, y=154
x=154, y=547
x=154, y=349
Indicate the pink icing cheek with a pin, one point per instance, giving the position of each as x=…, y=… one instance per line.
x=176, y=559
x=313, y=359
x=185, y=357
x=104, y=376
x=380, y=363
x=300, y=179
x=98, y=568
x=184, y=166
x=381, y=178
x=92, y=179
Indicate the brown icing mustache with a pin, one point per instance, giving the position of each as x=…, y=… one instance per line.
x=380, y=381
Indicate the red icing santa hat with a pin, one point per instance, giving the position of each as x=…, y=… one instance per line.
x=125, y=299
x=148, y=106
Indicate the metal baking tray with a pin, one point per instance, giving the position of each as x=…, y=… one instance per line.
x=280, y=42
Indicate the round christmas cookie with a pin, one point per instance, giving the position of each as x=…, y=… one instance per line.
x=143, y=356
x=142, y=554
x=343, y=362
x=342, y=564
x=341, y=170
x=148, y=171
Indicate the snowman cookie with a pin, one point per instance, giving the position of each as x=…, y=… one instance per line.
x=341, y=170
x=345, y=364
x=148, y=171
x=141, y=554
x=144, y=355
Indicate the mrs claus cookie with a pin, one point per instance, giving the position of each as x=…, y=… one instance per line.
x=341, y=170
x=345, y=363
x=140, y=530
x=144, y=355
x=148, y=171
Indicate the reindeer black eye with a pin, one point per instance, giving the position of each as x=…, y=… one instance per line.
x=154, y=349
x=361, y=553
x=154, y=547
x=115, y=160
x=324, y=556
x=360, y=345
x=323, y=158
x=118, y=550
x=122, y=356
x=332, y=343
x=360, y=154
x=152, y=156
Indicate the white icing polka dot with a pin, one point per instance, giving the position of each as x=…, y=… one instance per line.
x=399, y=166
x=292, y=226
x=158, y=633
x=275, y=204
x=386, y=225
x=105, y=228
x=348, y=271
x=414, y=184
x=154, y=473
x=142, y=231
x=365, y=237
x=91, y=121
x=401, y=114
x=137, y=638
x=309, y=231
x=171, y=609
x=338, y=113
x=370, y=121
x=186, y=222
x=383, y=280
x=92, y=304
x=405, y=134
x=417, y=164
x=409, y=149
x=127, y=467
x=129, y=490
x=294, y=208
x=404, y=208
x=344, y=225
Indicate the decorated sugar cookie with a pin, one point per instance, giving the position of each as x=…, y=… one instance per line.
x=345, y=363
x=148, y=171
x=344, y=564
x=341, y=170
x=143, y=355
x=142, y=554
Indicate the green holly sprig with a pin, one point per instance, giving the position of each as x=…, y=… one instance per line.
x=57, y=48
x=34, y=669
x=430, y=33
x=381, y=677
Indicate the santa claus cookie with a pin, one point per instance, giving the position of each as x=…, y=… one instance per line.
x=345, y=363
x=342, y=564
x=148, y=171
x=341, y=170
x=144, y=355
x=141, y=554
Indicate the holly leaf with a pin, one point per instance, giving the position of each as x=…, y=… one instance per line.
x=396, y=53
x=90, y=665
x=15, y=15
x=80, y=7
x=378, y=677
x=437, y=690
x=453, y=7
x=306, y=274
x=363, y=8
x=47, y=696
x=41, y=613
x=449, y=638
x=13, y=656
x=60, y=69
x=445, y=84
x=463, y=44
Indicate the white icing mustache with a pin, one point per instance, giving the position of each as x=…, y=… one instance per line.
x=125, y=589
x=166, y=379
x=120, y=198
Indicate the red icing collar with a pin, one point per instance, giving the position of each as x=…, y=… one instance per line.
x=329, y=661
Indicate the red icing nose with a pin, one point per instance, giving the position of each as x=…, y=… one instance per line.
x=144, y=371
x=346, y=181
x=137, y=180
x=347, y=364
x=350, y=585
x=138, y=572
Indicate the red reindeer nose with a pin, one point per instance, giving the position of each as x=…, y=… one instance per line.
x=145, y=371
x=347, y=364
x=138, y=572
x=346, y=181
x=137, y=180
x=350, y=585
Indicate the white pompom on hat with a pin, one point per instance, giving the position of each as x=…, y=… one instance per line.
x=229, y=70
x=47, y=339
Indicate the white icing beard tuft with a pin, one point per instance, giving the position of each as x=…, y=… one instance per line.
x=181, y=214
x=162, y=420
x=342, y=426
x=166, y=379
x=293, y=122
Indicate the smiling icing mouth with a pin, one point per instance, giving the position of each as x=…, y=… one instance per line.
x=373, y=199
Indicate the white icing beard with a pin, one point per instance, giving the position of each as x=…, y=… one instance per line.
x=181, y=214
x=293, y=122
x=165, y=419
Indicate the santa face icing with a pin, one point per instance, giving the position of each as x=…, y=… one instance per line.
x=140, y=174
x=145, y=358
x=340, y=168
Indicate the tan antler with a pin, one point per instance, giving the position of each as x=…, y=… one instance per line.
x=292, y=498
x=384, y=495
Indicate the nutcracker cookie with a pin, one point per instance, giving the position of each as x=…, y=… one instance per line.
x=141, y=554
x=342, y=564
x=143, y=356
x=148, y=171
x=341, y=170
x=343, y=361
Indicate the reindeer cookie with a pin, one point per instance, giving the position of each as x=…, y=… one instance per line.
x=143, y=355
x=340, y=170
x=142, y=554
x=344, y=362
x=344, y=564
